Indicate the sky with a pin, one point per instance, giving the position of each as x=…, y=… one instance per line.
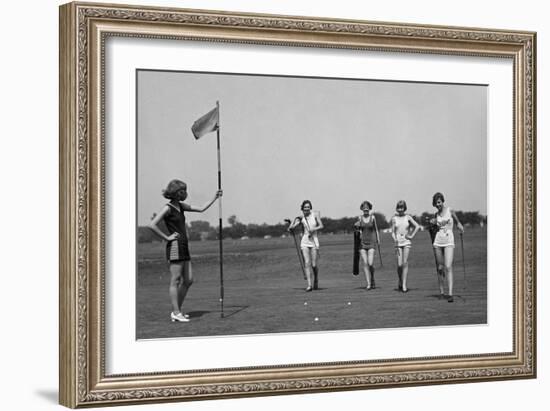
x=335, y=142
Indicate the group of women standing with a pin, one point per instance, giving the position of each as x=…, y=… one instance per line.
x=403, y=230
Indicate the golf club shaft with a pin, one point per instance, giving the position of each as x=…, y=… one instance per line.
x=298, y=251
x=378, y=242
x=463, y=259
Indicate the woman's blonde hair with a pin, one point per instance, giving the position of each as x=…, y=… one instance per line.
x=172, y=189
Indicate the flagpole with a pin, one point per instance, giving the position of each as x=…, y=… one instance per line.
x=220, y=234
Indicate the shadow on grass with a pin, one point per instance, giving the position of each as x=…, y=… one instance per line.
x=197, y=314
x=437, y=296
x=446, y=297
x=239, y=308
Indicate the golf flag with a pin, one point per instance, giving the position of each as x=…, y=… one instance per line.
x=207, y=123
x=204, y=125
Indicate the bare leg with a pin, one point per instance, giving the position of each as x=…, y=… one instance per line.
x=187, y=280
x=370, y=254
x=449, y=254
x=405, y=267
x=175, y=281
x=307, y=264
x=364, y=258
x=315, y=269
x=440, y=259
x=399, y=254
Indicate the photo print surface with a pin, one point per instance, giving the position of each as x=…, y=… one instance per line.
x=345, y=204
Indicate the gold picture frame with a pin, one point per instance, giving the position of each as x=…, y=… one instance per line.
x=84, y=28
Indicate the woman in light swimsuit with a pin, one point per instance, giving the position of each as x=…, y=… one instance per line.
x=401, y=225
x=311, y=224
x=444, y=243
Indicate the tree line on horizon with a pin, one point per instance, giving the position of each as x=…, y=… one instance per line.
x=202, y=230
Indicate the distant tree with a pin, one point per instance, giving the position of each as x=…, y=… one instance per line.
x=194, y=236
x=470, y=217
x=465, y=217
x=255, y=230
x=212, y=234
x=425, y=218
x=236, y=229
x=199, y=226
x=146, y=235
x=381, y=220
x=198, y=229
x=344, y=225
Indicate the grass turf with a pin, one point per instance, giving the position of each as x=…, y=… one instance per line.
x=264, y=289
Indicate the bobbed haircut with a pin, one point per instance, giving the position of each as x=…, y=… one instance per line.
x=437, y=196
x=366, y=204
x=172, y=189
x=401, y=204
x=304, y=204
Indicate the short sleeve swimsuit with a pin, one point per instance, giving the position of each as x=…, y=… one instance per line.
x=176, y=250
x=402, y=228
x=444, y=236
x=368, y=233
x=309, y=239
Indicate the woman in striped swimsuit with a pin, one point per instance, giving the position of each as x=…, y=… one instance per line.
x=177, y=250
x=366, y=224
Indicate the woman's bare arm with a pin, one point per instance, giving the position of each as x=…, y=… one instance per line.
x=415, y=225
x=206, y=206
x=153, y=225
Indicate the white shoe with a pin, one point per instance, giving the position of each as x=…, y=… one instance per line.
x=179, y=317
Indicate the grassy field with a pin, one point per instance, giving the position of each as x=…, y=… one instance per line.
x=264, y=289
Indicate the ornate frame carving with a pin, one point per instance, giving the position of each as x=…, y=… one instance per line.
x=83, y=30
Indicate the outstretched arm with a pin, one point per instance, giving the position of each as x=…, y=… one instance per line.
x=153, y=225
x=205, y=207
x=458, y=223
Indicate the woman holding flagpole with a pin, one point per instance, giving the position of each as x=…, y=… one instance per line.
x=444, y=243
x=311, y=224
x=177, y=248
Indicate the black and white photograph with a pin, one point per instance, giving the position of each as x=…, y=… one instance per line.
x=275, y=205
x=286, y=204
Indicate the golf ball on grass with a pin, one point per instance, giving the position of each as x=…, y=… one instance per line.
x=305, y=303
x=316, y=318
